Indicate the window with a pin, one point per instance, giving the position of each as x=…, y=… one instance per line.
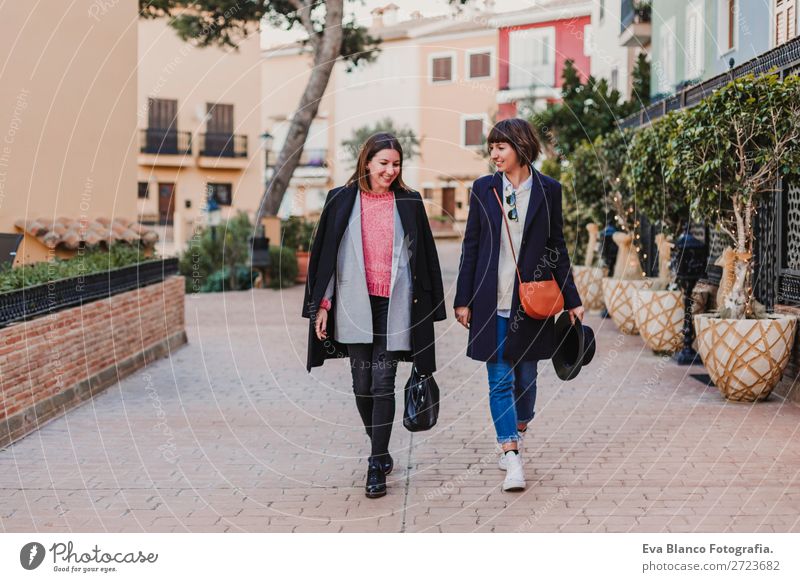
x=785, y=23
x=473, y=131
x=144, y=190
x=694, y=40
x=441, y=69
x=726, y=32
x=615, y=78
x=480, y=65
x=427, y=193
x=587, y=40
x=531, y=57
x=222, y=193
x=602, y=10
x=664, y=68
x=162, y=113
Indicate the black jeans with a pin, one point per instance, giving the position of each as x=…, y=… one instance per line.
x=374, y=370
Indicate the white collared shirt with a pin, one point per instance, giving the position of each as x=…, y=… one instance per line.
x=506, y=268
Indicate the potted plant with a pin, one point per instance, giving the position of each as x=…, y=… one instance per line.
x=298, y=234
x=734, y=146
x=656, y=182
x=582, y=183
x=611, y=151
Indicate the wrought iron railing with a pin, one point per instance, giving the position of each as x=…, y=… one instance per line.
x=165, y=142
x=223, y=145
x=58, y=295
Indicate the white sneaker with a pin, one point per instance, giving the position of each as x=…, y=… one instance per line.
x=515, y=476
x=502, y=462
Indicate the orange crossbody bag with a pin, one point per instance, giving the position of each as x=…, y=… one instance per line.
x=539, y=299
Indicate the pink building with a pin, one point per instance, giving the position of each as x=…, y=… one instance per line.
x=533, y=46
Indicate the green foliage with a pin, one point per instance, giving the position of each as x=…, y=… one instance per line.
x=655, y=177
x=587, y=111
x=242, y=275
x=640, y=96
x=228, y=22
x=551, y=167
x=405, y=135
x=583, y=196
x=283, y=267
x=737, y=142
x=297, y=233
x=208, y=253
x=82, y=264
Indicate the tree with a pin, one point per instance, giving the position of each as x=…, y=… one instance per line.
x=587, y=110
x=405, y=135
x=654, y=175
x=640, y=96
x=734, y=146
x=330, y=37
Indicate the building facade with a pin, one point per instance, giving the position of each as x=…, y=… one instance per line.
x=534, y=44
x=68, y=98
x=199, y=126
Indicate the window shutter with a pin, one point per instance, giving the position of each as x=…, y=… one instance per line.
x=479, y=65
x=473, y=132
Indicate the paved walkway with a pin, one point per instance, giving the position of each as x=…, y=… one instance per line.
x=231, y=434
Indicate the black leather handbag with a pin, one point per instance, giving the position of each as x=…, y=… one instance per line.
x=421, y=402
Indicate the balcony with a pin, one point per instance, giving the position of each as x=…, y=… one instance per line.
x=635, y=27
x=165, y=142
x=313, y=164
x=164, y=147
x=223, y=145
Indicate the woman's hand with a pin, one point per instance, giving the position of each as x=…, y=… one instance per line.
x=463, y=315
x=576, y=312
x=321, y=324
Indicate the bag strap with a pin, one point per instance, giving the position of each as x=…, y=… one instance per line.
x=508, y=232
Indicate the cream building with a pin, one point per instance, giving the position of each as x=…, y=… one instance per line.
x=199, y=126
x=436, y=76
x=68, y=129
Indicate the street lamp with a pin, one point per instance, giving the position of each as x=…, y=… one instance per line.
x=214, y=215
x=689, y=257
x=266, y=142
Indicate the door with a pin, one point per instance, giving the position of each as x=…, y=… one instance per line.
x=166, y=203
x=219, y=136
x=449, y=202
x=162, y=126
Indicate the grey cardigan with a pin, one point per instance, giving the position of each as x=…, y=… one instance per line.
x=353, y=313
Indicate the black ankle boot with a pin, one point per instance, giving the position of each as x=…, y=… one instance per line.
x=387, y=462
x=376, y=479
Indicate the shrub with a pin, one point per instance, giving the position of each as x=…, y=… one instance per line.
x=96, y=260
x=283, y=268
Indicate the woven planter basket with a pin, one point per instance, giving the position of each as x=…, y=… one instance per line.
x=659, y=319
x=589, y=281
x=619, y=301
x=745, y=357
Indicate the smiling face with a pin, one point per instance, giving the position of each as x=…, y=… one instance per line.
x=382, y=169
x=503, y=157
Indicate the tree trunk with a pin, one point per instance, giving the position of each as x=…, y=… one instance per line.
x=327, y=51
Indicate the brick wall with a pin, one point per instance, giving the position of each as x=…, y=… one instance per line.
x=52, y=363
x=789, y=387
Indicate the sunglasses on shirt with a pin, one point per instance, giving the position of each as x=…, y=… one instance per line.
x=511, y=200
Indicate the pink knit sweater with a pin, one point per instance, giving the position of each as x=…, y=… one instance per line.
x=377, y=237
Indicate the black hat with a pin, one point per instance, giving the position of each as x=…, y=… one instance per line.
x=575, y=347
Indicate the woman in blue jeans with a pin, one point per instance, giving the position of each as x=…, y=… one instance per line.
x=516, y=206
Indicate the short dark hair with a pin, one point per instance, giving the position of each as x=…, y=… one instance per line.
x=517, y=133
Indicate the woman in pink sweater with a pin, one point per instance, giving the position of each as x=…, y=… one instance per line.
x=374, y=290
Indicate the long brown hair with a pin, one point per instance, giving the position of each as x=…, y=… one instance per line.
x=376, y=143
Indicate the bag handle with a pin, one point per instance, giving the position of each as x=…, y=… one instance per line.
x=508, y=232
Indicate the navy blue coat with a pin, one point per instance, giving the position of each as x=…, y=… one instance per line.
x=542, y=252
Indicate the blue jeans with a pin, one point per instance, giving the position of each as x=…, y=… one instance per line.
x=512, y=390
